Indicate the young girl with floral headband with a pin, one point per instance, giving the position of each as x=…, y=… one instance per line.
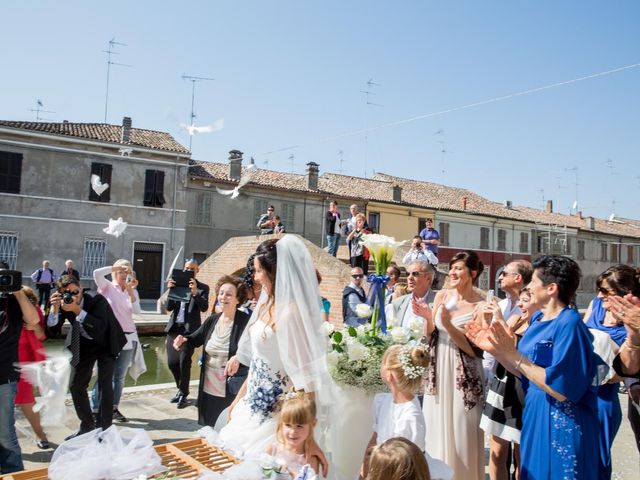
x=398, y=413
x=294, y=435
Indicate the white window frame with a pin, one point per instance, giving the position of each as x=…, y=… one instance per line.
x=94, y=255
x=9, y=248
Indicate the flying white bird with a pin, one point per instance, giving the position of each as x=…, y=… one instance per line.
x=612, y=217
x=214, y=127
x=116, y=227
x=575, y=205
x=51, y=376
x=246, y=178
x=125, y=152
x=97, y=185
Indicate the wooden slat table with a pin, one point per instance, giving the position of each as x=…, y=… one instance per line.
x=185, y=459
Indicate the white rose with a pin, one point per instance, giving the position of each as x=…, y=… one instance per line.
x=361, y=330
x=416, y=326
x=328, y=328
x=356, y=351
x=332, y=358
x=363, y=310
x=398, y=335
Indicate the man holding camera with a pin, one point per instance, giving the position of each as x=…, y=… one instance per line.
x=95, y=336
x=185, y=319
x=418, y=252
x=15, y=309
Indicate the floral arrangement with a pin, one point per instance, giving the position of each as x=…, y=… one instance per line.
x=355, y=354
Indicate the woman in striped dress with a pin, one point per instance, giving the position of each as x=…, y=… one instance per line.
x=502, y=414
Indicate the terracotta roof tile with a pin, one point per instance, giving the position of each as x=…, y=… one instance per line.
x=414, y=193
x=103, y=132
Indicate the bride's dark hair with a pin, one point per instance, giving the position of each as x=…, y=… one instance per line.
x=267, y=256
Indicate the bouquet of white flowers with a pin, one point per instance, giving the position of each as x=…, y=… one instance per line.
x=355, y=354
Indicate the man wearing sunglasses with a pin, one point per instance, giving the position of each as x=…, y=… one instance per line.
x=15, y=310
x=352, y=296
x=419, y=279
x=95, y=336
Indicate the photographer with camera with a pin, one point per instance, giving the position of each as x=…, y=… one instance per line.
x=15, y=310
x=95, y=336
x=418, y=252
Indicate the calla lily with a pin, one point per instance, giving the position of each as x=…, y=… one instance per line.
x=382, y=249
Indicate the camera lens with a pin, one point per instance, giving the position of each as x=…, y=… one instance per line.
x=67, y=298
x=5, y=280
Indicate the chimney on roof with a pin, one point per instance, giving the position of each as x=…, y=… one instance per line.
x=397, y=193
x=235, y=165
x=126, y=129
x=508, y=204
x=464, y=202
x=579, y=213
x=591, y=223
x=549, y=208
x=312, y=175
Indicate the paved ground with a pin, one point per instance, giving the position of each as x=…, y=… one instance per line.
x=150, y=409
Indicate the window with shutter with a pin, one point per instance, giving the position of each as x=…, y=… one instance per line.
x=102, y=170
x=630, y=254
x=202, y=214
x=94, y=255
x=524, y=242
x=502, y=240
x=10, y=172
x=484, y=238
x=259, y=208
x=581, y=245
x=154, y=188
x=287, y=216
x=443, y=230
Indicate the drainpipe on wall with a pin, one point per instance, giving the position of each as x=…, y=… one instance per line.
x=173, y=212
x=304, y=218
x=324, y=219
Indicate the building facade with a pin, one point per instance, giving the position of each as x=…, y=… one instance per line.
x=49, y=209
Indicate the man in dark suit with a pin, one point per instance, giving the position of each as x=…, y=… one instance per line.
x=95, y=335
x=184, y=319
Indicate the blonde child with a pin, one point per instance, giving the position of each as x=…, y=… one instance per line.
x=398, y=459
x=398, y=413
x=294, y=433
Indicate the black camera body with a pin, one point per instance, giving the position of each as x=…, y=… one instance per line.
x=67, y=298
x=10, y=281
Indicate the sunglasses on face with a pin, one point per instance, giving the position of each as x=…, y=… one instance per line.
x=72, y=292
x=357, y=275
x=604, y=291
x=414, y=274
x=506, y=274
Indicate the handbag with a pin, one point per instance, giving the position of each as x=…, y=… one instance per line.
x=235, y=382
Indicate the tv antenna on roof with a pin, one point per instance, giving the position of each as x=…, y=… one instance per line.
x=574, y=169
x=39, y=110
x=368, y=93
x=109, y=52
x=291, y=159
x=341, y=160
x=193, y=81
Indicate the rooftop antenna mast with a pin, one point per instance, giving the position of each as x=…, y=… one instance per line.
x=368, y=93
x=341, y=160
x=39, y=110
x=291, y=159
x=193, y=81
x=109, y=52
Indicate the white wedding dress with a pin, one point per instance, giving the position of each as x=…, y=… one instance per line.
x=253, y=422
x=453, y=434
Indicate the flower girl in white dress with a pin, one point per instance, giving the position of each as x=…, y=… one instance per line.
x=398, y=414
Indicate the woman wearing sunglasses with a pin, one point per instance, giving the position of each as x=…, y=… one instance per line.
x=616, y=280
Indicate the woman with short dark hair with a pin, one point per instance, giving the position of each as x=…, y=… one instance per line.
x=220, y=334
x=556, y=364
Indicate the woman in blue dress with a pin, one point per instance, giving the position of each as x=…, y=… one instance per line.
x=556, y=364
x=615, y=280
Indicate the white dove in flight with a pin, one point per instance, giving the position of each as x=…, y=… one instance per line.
x=97, y=185
x=246, y=178
x=116, y=227
x=214, y=127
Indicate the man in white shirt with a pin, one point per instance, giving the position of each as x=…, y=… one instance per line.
x=419, y=278
x=44, y=278
x=418, y=252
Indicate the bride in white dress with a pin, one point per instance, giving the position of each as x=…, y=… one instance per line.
x=453, y=397
x=284, y=347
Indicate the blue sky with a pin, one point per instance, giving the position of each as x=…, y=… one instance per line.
x=290, y=73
